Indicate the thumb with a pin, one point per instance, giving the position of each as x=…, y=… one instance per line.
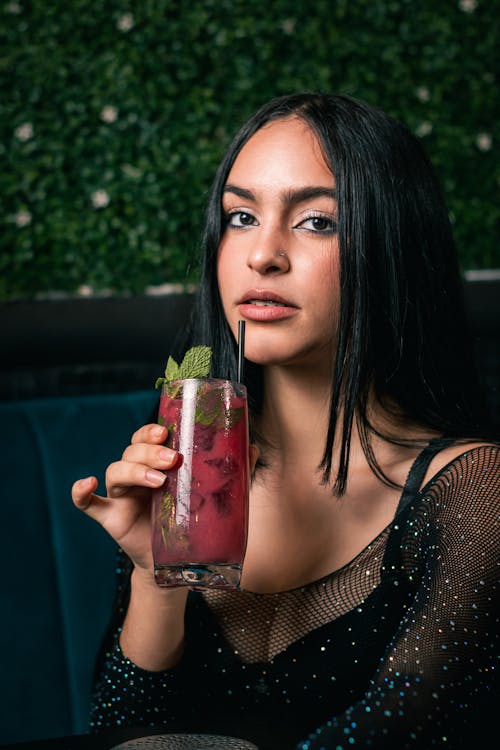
x=82, y=492
x=85, y=499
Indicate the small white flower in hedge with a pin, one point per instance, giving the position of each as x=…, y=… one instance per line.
x=484, y=141
x=125, y=22
x=424, y=128
x=130, y=171
x=24, y=131
x=288, y=25
x=13, y=8
x=109, y=113
x=423, y=93
x=468, y=6
x=84, y=290
x=100, y=199
x=22, y=218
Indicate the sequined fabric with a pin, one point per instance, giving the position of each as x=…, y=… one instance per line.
x=395, y=650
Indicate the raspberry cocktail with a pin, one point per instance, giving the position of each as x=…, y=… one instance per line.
x=200, y=515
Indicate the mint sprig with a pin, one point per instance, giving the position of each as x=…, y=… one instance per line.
x=196, y=364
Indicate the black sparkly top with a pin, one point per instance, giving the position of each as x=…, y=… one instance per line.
x=397, y=649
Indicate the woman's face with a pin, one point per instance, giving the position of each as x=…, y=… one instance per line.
x=278, y=255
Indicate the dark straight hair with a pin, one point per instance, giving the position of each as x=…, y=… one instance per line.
x=402, y=335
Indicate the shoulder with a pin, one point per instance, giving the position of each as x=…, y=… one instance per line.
x=459, y=502
x=473, y=460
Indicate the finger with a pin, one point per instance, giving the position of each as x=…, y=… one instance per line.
x=121, y=476
x=86, y=500
x=158, y=457
x=82, y=492
x=150, y=433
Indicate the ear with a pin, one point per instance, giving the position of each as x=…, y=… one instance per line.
x=253, y=456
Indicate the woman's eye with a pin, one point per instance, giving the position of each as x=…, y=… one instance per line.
x=322, y=224
x=240, y=219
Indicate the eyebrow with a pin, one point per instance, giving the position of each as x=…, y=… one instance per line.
x=289, y=196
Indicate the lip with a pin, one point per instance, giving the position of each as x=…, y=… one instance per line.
x=281, y=309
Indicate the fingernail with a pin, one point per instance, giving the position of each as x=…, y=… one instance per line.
x=158, y=430
x=166, y=454
x=155, y=477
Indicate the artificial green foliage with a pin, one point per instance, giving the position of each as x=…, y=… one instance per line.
x=114, y=114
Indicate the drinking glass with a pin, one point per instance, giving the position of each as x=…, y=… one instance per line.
x=187, y=742
x=200, y=514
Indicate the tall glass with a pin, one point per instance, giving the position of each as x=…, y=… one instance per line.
x=200, y=515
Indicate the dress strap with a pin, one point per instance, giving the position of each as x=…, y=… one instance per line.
x=418, y=469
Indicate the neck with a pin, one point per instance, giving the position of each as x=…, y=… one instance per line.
x=296, y=410
x=295, y=419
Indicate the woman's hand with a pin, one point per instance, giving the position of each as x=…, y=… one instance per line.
x=126, y=511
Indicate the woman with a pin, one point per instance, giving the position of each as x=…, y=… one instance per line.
x=366, y=615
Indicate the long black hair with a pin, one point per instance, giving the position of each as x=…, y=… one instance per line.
x=402, y=335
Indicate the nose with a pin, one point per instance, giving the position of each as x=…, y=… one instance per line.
x=267, y=255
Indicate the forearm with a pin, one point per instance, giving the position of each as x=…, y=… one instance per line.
x=152, y=634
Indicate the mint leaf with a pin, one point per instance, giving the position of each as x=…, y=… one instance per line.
x=196, y=362
x=172, y=370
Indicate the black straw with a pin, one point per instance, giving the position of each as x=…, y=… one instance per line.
x=241, y=350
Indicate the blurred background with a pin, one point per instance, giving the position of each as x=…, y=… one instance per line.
x=113, y=116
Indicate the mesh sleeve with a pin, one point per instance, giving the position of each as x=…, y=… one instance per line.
x=123, y=693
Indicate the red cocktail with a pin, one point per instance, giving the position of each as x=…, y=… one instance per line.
x=200, y=515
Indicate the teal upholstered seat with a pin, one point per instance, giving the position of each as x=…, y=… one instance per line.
x=57, y=578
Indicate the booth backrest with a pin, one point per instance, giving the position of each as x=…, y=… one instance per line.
x=57, y=579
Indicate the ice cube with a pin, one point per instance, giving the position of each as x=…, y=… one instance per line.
x=226, y=465
x=222, y=499
x=196, y=502
x=204, y=435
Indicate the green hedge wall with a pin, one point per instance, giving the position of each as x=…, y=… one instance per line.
x=114, y=113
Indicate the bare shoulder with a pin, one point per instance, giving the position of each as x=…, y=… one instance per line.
x=488, y=451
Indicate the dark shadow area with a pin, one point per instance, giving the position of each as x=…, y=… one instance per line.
x=113, y=345
x=81, y=347
x=483, y=306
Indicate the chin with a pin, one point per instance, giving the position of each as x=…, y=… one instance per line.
x=315, y=357
x=264, y=359
x=267, y=356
